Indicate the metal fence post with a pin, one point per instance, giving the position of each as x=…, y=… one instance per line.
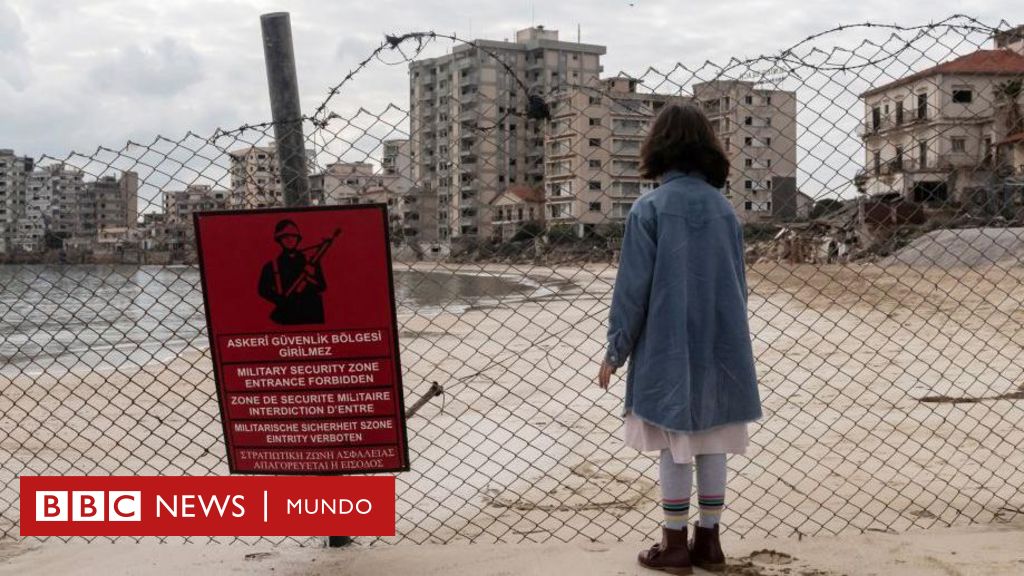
x=283, y=83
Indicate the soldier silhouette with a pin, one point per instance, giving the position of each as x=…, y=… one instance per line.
x=293, y=283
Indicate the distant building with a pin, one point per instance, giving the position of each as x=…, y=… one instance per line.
x=419, y=214
x=757, y=129
x=174, y=229
x=58, y=205
x=469, y=139
x=931, y=136
x=347, y=182
x=54, y=206
x=414, y=209
x=114, y=239
x=592, y=152
x=397, y=165
x=111, y=203
x=592, y=155
x=14, y=171
x=256, y=177
x=108, y=202
x=55, y=192
x=180, y=205
x=515, y=208
x=152, y=231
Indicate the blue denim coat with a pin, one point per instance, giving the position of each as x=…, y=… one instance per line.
x=679, y=310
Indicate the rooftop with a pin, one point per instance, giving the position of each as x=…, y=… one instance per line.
x=983, y=62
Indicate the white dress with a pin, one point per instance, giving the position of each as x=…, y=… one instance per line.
x=645, y=436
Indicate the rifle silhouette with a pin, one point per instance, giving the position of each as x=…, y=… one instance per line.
x=305, y=278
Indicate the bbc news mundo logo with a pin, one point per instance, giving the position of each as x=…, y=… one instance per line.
x=207, y=506
x=89, y=506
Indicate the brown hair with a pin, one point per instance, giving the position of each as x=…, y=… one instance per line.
x=681, y=139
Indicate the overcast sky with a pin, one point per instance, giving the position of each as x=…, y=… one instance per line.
x=75, y=75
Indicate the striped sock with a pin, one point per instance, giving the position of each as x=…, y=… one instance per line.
x=676, y=512
x=710, y=509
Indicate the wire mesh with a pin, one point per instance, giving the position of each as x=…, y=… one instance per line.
x=879, y=172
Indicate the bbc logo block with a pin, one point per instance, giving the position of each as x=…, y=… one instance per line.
x=89, y=506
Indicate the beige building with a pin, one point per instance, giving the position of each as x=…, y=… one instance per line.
x=470, y=140
x=414, y=210
x=592, y=152
x=55, y=191
x=413, y=213
x=152, y=231
x=515, y=208
x=114, y=238
x=14, y=172
x=180, y=205
x=174, y=229
x=114, y=202
x=79, y=211
x=757, y=129
x=931, y=136
x=397, y=165
x=348, y=183
x=256, y=177
x=56, y=200
x=108, y=202
x=593, y=141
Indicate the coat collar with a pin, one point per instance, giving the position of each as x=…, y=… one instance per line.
x=674, y=174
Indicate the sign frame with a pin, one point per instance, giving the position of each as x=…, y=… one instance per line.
x=220, y=381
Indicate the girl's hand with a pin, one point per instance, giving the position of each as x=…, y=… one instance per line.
x=605, y=375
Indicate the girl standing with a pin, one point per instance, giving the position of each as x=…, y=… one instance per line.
x=679, y=312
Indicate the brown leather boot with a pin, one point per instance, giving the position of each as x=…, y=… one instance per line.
x=706, y=549
x=671, y=555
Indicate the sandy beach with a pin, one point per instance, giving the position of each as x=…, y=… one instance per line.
x=891, y=397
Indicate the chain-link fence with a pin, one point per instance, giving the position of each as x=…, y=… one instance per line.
x=879, y=171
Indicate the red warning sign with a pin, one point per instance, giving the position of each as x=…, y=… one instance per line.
x=300, y=312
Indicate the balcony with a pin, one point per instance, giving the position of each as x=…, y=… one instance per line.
x=559, y=169
x=712, y=108
x=560, y=211
x=627, y=128
x=557, y=151
x=559, y=190
x=886, y=123
x=941, y=163
x=625, y=169
x=626, y=148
